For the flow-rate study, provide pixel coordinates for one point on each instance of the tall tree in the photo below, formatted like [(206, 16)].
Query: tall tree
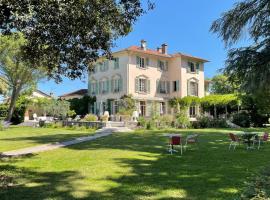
[(248, 66), (221, 85), (67, 36), (18, 73)]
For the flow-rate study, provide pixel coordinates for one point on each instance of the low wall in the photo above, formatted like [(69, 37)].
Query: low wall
[(96, 124)]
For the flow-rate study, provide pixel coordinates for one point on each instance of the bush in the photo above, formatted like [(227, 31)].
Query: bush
[(90, 118), (207, 122), (258, 188), (142, 122), (165, 120), (182, 120), (204, 122), (241, 119), (219, 123)]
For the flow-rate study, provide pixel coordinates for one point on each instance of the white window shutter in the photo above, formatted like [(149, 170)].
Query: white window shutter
[(148, 86), (136, 84), (197, 68), (138, 61)]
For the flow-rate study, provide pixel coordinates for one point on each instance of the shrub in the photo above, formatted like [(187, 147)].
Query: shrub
[(104, 118), (142, 122), (204, 122), (90, 118), (166, 120), (258, 188), (182, 120), (219, 123), (241, 119)]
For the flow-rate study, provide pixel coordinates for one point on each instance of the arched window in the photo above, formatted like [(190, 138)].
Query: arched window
[(104, 85), (192, 87), (142, 84), (93, 87)]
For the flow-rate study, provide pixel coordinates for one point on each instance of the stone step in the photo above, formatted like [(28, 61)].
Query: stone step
[(115, 124)]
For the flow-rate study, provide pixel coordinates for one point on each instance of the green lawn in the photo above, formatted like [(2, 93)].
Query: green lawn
[(20, 137), (135, 166)]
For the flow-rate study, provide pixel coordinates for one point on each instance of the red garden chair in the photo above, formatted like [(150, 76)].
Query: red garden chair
[(235, 140), (175, 141)]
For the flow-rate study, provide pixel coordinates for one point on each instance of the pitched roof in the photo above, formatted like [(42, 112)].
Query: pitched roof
[(42, 93), (77, 92), (156, 53)]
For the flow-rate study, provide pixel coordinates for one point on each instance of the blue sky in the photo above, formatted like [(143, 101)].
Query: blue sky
[(182, 24)]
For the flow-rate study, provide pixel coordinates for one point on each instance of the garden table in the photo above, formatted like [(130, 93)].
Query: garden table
[(247, 137)]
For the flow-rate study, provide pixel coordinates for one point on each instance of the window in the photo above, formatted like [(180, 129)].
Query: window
[(162, 108), (192, 111), (142, 62), (93, 88), (142, 85), (104, 86), (104, 66), (117, 84), (142, 110), (175, 86), (192, 88), (163, 87), (191, 67), (116, 63), (163, 65)]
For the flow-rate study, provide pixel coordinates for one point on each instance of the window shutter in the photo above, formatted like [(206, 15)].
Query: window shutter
[(159, 64), (168, 87), (116, 63), (148, 86), (112, 86), (166, 65), (100, 87), (108, 86), (138, 61), (95, 107), (177, 85), (106, 65), (97, 89), (136, 84), (158, 86), (188, 88), (149, 109), (189, 66), (147, 62), (120, 83), (197, 68)]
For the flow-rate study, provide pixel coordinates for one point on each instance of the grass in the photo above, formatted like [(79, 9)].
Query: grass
[(20, 137), (135, 166)]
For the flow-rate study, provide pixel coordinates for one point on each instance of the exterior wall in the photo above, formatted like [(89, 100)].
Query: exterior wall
[(151, 72), (128, 70), (72, 97)]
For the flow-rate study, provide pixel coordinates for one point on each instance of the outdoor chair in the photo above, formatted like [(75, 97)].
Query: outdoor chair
[(191, 139), (235, 140), (261, 139), (175, 141)]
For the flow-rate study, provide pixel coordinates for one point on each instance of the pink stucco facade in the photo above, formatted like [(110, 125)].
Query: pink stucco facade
[(152, 77)]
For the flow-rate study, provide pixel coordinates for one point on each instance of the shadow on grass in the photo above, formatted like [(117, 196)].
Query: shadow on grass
[(208, 171)]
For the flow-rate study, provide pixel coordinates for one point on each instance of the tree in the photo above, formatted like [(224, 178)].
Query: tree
[(67, 36), (18, 73), (80, 106), (221, 85), (247, 66)]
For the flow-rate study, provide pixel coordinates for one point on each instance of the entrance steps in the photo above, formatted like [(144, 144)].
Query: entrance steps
[(115, 124)]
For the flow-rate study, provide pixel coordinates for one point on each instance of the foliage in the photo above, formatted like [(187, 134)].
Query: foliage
[(258, 188), (90, 118), (68, 48), (182, 120), (241, 119), (80, 106), (166, 121), (187, 101), (142, 121), (126, 105), (221, 85), (247, 66), (104, 118), (208, 122), (71, 113), (51, 107), (18, 73), (3, 111)]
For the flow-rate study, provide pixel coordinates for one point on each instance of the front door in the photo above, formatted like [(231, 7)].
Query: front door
[(142, 108)]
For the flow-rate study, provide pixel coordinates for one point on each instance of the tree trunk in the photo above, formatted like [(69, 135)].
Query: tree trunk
[(215, 111), (13, 99)]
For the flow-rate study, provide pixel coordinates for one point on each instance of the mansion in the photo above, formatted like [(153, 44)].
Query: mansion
[(152, 77)]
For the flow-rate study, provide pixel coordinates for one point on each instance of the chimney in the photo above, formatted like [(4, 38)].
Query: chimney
[(159, 50), (143, 45), (164, 48)]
